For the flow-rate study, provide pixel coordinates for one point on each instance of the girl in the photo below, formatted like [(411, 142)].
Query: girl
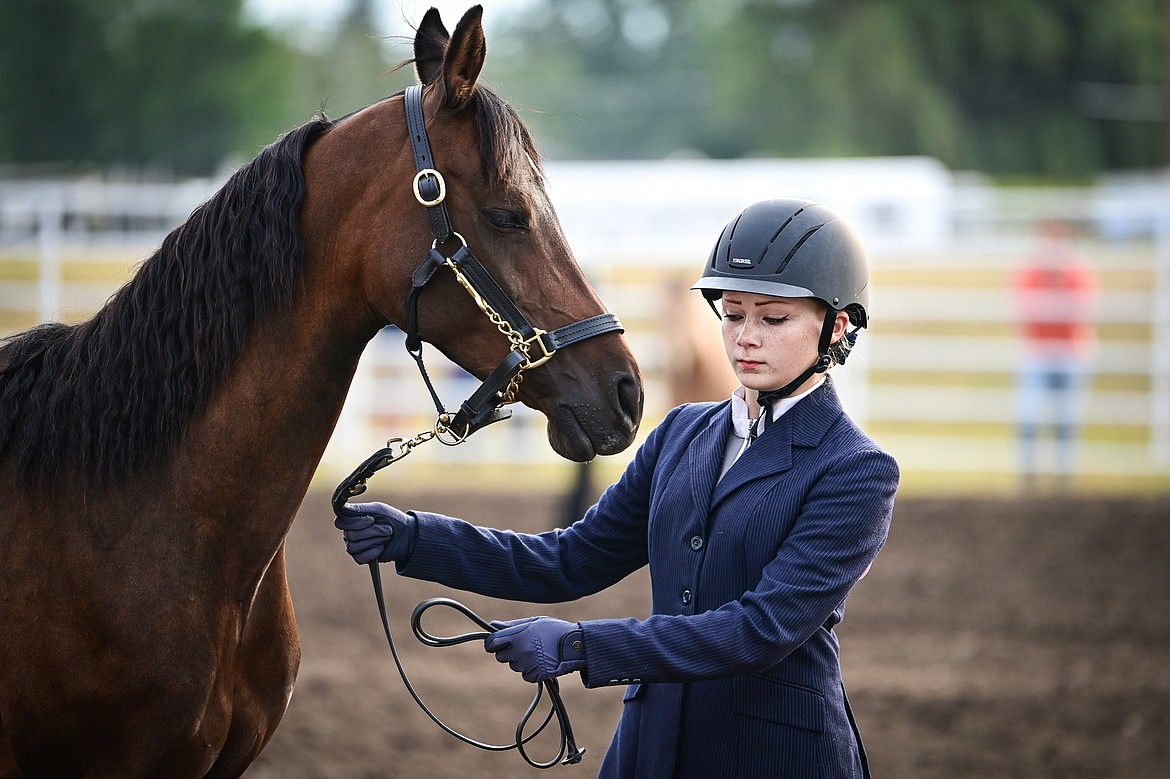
[(756, 515)]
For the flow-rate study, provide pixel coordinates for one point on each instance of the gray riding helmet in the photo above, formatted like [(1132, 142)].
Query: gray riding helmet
[(794, 249)]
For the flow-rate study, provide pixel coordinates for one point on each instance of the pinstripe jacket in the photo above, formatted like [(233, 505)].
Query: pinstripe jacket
[(736, 673)]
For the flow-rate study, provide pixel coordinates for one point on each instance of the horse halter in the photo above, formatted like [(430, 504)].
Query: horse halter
[(530, 347)]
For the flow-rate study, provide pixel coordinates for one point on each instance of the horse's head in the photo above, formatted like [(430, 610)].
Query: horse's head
[(362, 217)]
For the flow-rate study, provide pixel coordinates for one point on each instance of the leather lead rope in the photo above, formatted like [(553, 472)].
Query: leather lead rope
[(568, 752)]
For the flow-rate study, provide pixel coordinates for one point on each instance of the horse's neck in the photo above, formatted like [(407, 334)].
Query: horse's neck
[(254, 451)]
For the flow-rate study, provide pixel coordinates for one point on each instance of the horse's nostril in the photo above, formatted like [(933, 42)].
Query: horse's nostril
[(627, 396)]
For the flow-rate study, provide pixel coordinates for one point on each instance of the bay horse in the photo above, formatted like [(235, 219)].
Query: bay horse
[(152, 458)]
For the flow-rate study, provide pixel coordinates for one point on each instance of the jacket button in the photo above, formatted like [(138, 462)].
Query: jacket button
[(686, 596), (696, 543)]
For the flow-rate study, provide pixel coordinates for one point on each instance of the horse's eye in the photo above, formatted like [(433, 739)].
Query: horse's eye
[(505, 220)]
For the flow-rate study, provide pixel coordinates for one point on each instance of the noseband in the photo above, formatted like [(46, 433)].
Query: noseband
[(529, 347)]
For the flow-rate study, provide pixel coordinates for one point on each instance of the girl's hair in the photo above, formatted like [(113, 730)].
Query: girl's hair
[(839, 351)]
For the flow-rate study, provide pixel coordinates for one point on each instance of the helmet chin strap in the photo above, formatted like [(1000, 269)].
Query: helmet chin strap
[(766, 399)]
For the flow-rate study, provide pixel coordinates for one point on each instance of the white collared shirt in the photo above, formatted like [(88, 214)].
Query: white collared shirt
[(741, 423)]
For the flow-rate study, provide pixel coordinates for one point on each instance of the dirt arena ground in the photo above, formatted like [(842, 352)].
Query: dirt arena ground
[(998, 638)]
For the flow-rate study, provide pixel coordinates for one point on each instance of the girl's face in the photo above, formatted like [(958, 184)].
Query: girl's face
[(770, 341)]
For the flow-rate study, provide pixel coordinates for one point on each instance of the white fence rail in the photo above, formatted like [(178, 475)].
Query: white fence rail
[(933, 381)]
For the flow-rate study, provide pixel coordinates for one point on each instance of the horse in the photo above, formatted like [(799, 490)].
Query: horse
[(152, 458), (696, 369)]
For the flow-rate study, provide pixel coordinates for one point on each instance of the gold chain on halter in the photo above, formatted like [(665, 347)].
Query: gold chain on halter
[(516, 339), (400, 447)]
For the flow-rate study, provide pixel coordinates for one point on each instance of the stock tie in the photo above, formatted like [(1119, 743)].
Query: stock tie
[(765, 401)]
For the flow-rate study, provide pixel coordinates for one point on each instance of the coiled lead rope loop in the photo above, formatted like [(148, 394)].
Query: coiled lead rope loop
[(568, 753)]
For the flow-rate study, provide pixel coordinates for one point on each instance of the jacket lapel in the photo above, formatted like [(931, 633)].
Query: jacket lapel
[(706, 455), (803, 425)]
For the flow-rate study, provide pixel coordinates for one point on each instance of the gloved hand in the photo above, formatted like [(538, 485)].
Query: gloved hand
[(538, 648), (375, 531)]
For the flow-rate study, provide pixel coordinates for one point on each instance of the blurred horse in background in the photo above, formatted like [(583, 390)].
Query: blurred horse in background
[(697, 369)]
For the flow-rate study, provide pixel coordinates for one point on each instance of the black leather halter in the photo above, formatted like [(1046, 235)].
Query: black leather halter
[(530, 346), (485, 405)]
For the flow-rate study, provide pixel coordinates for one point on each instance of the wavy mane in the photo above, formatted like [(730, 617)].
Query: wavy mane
[(107, 398), (504, 141)]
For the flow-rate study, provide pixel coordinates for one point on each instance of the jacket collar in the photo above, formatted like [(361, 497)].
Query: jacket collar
[(804, 425)]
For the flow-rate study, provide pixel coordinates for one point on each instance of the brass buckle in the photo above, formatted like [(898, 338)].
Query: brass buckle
[(442, 187), (545, 357)]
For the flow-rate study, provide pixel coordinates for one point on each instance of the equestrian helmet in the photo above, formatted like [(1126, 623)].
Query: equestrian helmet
[(794, 249)]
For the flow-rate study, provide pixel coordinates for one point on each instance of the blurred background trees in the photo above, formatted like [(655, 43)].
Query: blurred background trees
[(174, 84), (1035, 89)]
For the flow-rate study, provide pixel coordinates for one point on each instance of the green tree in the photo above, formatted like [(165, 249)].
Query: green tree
[(177, 84), (1011, 87), (45, 108), (1050, 88), (350, 71)]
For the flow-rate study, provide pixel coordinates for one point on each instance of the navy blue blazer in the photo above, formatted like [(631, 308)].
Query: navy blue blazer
[(736, 673)]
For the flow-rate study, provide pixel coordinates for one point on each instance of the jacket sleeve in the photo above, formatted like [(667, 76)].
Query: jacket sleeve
[(600, 549), (841, 528)]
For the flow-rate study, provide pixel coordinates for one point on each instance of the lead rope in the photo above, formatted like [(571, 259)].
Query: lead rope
[(568, 753)]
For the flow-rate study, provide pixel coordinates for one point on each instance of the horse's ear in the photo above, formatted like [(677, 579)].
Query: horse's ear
[(464, 59), (430, 44)]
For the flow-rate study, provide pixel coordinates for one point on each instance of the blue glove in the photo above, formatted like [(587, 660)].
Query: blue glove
[(538, 648), (375, 531)]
